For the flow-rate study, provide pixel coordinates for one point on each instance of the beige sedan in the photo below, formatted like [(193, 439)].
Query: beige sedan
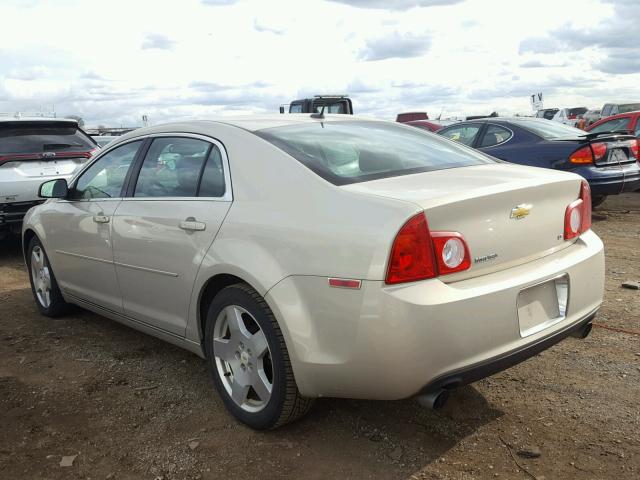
[(311, 256)]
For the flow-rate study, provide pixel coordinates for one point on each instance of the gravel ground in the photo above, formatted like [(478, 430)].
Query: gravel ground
[(129, 406)]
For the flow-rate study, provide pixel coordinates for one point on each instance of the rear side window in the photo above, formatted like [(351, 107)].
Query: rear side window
[(577, 111), (495, 135), (172, 167), (212, 183), (358, 151), (18, 137), (614, 125)]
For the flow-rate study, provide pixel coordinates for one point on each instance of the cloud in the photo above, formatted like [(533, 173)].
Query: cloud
[(610, 36), (28, 73), (622, 62), (219, 3), (395, 46), (265, 29), (395, 4), (538, 45), (539, 64), (157, 41)]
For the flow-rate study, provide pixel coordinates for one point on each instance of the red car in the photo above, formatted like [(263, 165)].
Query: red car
[(628, 122)]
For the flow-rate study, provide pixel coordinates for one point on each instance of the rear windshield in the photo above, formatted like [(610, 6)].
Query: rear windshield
[(548, 130), (33, 138), (629, 107), (352, 152)]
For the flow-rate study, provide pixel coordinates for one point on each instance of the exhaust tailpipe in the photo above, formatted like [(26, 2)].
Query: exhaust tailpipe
[(583, 332), (434, 400)]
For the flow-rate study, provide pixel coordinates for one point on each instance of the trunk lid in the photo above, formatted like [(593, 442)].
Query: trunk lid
[(508, 214)]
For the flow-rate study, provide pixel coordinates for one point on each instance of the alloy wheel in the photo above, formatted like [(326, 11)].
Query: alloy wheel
[(41, 275), (243, 358)]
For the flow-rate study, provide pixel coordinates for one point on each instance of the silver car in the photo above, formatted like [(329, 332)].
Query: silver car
[(311, 256), (33, 150)]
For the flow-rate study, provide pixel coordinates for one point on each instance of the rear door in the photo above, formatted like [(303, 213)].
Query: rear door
[(79, 229), (176, 204)]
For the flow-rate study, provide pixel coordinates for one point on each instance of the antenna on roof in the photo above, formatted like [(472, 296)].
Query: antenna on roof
[(318, 115)]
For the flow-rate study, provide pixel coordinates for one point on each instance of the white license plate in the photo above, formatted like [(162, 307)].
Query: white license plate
[(543, 305)]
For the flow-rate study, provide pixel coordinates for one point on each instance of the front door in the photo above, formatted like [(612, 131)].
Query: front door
[(162, 231), (80, 229)]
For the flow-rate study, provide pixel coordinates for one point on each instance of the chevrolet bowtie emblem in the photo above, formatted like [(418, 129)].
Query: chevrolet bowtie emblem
[(521, 211)]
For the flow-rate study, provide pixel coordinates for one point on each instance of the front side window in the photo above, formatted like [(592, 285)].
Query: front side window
[(174, 167), (464, 133), (105, 177), (295, 108), (615, 125), (495, 135), (357, 151), (606, 111)]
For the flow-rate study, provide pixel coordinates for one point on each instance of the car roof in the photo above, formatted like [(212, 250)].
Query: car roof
[(36, 119), (251, 123)]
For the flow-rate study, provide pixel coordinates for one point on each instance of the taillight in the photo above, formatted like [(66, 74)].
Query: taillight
[(589, 154), (635, 148), (599, 150), (452, 253), (577, 216), (418, 254), (412, 255)]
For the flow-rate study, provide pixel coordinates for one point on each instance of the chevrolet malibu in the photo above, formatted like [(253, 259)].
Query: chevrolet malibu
[(312, 256)]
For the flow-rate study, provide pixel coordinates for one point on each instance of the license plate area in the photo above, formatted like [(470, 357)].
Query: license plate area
[(542, 305)]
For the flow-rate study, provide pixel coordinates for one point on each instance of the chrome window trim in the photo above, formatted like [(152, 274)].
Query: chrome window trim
[(228, 191), (501, 143)]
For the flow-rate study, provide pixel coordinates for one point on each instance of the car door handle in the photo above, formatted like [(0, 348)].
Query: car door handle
[(101, 219), (191, 224)]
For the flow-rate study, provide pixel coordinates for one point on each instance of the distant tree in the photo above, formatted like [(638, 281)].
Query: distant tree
[(78, 118)]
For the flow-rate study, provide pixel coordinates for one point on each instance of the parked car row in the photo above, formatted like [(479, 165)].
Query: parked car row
[(582, 118), (609, 161)]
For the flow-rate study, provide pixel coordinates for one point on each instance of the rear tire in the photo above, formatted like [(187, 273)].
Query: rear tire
[(44, 286), (249, 362), (597, 200)]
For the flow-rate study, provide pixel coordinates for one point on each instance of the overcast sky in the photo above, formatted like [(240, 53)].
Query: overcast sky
[(113, 61)]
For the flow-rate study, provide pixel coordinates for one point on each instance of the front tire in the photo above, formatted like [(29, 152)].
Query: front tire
[(249, 362), (44, 286)]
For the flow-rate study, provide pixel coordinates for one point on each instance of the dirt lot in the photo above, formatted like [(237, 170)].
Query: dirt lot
[(132, 407)]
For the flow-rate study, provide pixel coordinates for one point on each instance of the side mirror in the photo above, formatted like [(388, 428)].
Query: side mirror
[(281, 109), (54, 189)]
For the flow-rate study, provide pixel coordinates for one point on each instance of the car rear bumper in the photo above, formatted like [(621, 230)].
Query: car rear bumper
[(12, 213), (612, 180), (492, 366), (391, 342)]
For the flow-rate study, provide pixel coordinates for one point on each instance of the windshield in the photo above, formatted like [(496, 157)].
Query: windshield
[(32, 138), (351, 152), (577, 111), (629, 107), (548, 130)]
